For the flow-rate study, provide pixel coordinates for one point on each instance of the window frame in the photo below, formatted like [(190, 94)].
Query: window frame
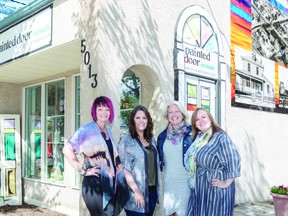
[(43, 163)]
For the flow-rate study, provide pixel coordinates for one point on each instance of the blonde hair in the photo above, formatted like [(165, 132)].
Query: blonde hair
[(182, 110)]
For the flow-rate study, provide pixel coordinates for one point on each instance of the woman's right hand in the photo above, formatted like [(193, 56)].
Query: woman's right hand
[(139, 199), (94, 171)]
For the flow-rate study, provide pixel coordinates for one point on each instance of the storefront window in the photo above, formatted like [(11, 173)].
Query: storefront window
[(54, 139), (33, 132), (44, 132)]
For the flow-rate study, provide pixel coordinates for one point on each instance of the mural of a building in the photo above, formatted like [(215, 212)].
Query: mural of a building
[(252, 87)]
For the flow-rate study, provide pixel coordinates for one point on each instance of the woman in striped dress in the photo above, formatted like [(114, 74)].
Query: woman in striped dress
[(213, 163)]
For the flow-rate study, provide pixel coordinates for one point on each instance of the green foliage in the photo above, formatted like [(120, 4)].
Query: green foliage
[(130, 97), (279, 190), (132, 84), (128, 101), (125, 114)]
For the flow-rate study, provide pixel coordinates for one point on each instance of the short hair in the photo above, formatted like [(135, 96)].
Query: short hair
[(182, 110), (102, 101), (148, 132), (214, 125)]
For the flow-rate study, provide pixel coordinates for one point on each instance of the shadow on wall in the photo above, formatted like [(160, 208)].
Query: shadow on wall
[(112, 35), (42, 193), (134, 44), (138, 47), (251, 186)]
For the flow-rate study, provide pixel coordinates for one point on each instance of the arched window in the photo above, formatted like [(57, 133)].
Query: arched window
[(197, 31)]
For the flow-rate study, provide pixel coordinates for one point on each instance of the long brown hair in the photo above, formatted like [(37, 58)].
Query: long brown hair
[(148, 132), (214, 125)]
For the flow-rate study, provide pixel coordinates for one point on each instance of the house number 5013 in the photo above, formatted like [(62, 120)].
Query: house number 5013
[(86, 58)]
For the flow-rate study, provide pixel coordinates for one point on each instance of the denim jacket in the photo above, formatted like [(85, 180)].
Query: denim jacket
[(187, 140)]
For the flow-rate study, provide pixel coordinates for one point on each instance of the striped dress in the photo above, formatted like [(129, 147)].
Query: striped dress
[(217, 159)]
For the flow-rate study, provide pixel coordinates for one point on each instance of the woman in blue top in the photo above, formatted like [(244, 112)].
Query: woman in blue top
[(102, 165), (213, 162), (172, 144), (137, 151)]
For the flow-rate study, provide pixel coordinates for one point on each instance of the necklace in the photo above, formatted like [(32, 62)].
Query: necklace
[(102, 131)]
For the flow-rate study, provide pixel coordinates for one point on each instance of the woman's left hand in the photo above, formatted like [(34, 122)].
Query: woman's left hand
[(221, 184)]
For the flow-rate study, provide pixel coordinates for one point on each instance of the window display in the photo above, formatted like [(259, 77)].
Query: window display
[(55, 109), (45, 132)]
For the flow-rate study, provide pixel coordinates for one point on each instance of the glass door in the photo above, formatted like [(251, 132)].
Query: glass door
[(200, 93), (10, 160)]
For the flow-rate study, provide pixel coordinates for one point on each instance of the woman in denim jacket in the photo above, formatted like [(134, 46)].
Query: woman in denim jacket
[(172, 144)]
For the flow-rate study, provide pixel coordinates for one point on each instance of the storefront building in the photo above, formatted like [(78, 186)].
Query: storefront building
[(57, 56)]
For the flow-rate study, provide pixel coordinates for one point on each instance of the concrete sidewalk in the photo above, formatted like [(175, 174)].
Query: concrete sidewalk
[(259, 209)]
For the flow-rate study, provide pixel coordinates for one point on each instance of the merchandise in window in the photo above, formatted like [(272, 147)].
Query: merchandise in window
[(55, 109)]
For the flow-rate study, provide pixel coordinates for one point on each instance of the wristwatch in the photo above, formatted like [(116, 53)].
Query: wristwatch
[(83, 171)]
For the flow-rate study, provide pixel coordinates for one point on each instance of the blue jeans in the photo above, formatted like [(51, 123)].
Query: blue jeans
[(153, 197)]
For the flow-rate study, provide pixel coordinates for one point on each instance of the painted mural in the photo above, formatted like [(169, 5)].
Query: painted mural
[(259, 49)]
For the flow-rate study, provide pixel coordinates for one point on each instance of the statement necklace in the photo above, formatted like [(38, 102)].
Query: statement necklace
[(102, 131)]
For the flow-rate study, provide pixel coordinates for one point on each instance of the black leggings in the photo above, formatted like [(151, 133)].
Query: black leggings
[(92, 194)]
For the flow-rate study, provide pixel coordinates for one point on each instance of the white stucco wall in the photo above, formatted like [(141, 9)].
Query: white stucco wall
[(10, 98), (262, 141)]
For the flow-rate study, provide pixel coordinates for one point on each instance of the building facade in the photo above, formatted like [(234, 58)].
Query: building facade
[(57, 56)]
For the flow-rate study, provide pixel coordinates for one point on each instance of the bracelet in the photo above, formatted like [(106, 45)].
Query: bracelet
[(83, 171)]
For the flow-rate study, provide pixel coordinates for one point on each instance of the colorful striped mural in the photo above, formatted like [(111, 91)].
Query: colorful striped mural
[(240, 31)]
